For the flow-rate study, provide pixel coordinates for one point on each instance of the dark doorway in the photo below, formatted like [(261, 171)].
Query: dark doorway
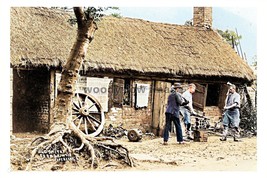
[(30, 105), (213, 94)]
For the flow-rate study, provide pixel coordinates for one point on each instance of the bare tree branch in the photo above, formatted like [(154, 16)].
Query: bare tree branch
[(79, 15)]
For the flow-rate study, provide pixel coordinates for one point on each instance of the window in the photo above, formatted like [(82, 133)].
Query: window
[(121, 92), (118, 85), (127, 92)]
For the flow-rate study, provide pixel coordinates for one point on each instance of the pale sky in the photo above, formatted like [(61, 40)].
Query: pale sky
[(250, 14)]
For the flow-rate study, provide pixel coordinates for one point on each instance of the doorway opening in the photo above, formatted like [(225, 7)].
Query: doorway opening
[(213, 94)]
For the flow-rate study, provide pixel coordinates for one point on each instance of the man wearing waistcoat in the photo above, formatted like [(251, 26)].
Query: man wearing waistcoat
[(175, 100), (231, 114)]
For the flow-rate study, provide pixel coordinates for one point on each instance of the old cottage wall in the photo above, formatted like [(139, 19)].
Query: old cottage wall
[(131, 117), (30, 101), (11, 99), (117, 113)]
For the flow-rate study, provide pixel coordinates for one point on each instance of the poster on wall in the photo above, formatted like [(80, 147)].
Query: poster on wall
[(141, 95), (97, 87)]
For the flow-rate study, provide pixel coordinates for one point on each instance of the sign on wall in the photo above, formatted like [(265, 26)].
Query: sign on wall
[(98, 87), (142, 94)]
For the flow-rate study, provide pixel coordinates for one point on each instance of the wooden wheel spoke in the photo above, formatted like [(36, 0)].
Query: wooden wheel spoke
[(99, 113), (92, 106), (76, 106), (75, 113), (79, 125), (76, 110), (94, 119), (79, 101), (87, 114), (75, 119), (86, 100), (91, 123), (85, 126)]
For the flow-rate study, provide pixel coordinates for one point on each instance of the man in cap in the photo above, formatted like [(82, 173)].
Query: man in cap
[(231, 114), (172, 114)]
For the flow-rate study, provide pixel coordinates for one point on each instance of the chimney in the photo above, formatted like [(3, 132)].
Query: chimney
[(202, 17)]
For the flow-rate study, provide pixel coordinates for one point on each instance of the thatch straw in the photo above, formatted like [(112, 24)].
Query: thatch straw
[(41, 36)]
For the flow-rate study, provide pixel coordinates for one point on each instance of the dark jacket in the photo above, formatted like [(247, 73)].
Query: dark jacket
[(174, 102)]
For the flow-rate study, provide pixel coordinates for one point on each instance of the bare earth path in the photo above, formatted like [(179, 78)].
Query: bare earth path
[(150, 154), (213, 155)]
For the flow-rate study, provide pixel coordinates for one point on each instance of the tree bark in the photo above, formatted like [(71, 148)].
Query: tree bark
[(70, 73)]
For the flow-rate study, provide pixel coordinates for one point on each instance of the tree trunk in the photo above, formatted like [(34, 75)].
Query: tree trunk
[(63, 132), (66, 89)]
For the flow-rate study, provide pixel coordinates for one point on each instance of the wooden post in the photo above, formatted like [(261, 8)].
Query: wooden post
[(156, 110), (52, 96)]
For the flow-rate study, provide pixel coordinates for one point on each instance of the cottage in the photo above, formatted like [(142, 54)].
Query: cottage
[(129, 69)]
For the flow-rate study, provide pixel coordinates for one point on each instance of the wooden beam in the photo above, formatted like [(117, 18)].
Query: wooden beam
[(52, 84)]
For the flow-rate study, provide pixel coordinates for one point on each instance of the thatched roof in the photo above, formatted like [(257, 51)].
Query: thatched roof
[(41, 36)]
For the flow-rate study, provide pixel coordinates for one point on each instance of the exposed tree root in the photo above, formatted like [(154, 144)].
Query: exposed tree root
[(65, 143)]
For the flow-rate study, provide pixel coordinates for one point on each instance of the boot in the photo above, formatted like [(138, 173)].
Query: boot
[(189, 135), (237, 140), (223, 139), (188, 132), (236, 135), (224, 134)]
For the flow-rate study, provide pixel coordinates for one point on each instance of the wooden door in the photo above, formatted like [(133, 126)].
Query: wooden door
[(161, 93), (199, 97)]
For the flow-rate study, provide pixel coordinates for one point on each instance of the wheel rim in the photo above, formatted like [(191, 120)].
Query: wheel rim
[(87, 114)]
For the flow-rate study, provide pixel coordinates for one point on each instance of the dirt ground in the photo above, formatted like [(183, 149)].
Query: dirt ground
[(150, 154)]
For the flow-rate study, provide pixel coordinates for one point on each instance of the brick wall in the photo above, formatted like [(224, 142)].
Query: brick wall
[(202, 15), (131, 117), (30, 103), (213, 112)]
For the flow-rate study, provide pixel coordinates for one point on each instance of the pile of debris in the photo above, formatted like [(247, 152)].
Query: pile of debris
[(248, 114), (114, 132), (200, 128), (134, 135), (201, 123), (248, 121)]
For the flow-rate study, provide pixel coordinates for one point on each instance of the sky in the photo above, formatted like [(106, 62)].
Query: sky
[(243, 20)]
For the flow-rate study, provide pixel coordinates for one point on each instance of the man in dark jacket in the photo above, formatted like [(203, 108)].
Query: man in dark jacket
[(175, 100)]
